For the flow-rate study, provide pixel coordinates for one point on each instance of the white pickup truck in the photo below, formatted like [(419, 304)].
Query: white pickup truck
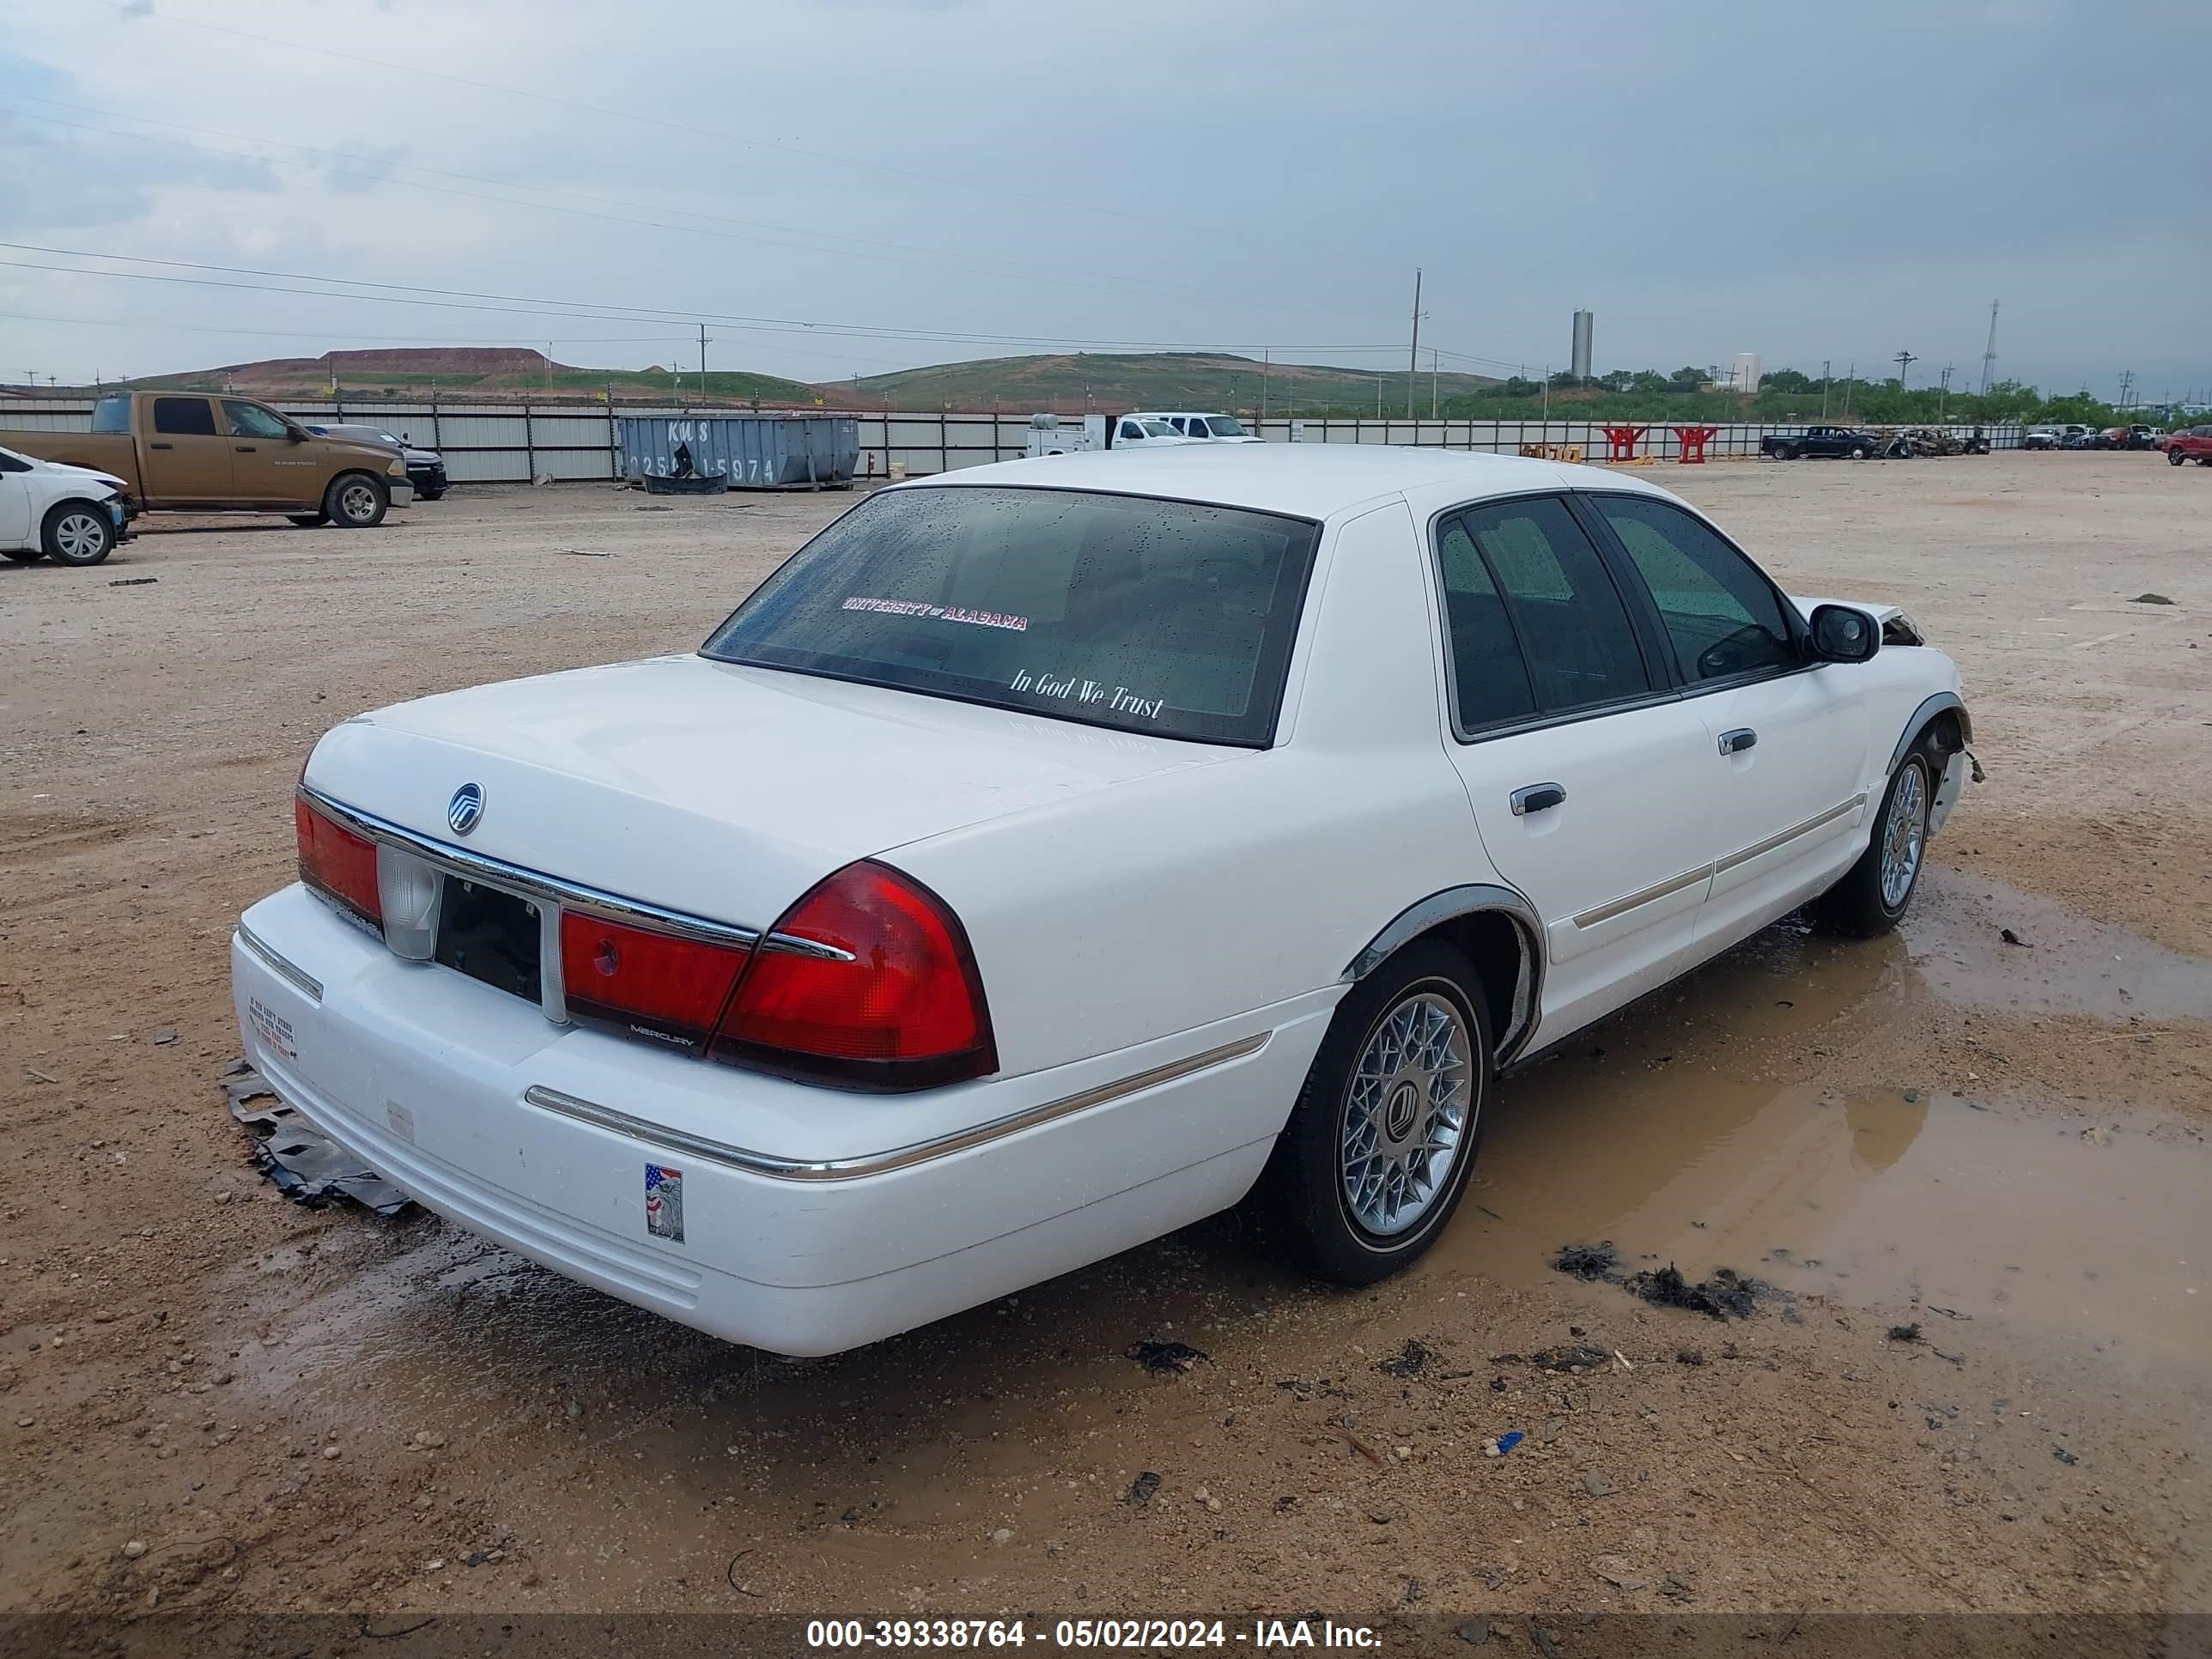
[(1204, 428), (1048, 436)]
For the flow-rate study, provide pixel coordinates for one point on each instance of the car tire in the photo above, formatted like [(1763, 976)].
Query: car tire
[(2175, 458), (77, 533), (1339, 1192), (1876, 891), (429, 494), (1790, 452), (309, 520), (356, 500), (1859, 452)]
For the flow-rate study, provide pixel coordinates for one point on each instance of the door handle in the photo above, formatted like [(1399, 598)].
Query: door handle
[(161, 446), (243, 449), (1736, 742), (1537, 798)]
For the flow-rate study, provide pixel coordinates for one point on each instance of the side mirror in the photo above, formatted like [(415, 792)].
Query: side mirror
[(295, 435), (1841, 634)]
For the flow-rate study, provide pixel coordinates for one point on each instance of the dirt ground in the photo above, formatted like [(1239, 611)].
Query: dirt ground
[(1974, 1170)]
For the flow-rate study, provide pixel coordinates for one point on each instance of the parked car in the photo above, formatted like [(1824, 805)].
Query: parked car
[(2081, 437), (50, 510), (1206, 428), (2190, 444), (2043, 437), (2140, 435), (1047, 436), (192, 453), (1051, 854), (426, 468), (1818, 441)]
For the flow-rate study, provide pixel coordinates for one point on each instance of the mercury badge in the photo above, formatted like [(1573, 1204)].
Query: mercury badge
[(465, 810)]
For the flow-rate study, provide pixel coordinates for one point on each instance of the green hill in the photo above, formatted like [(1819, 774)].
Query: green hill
[(1076, 382)]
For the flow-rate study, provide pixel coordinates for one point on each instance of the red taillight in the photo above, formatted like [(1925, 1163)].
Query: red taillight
[(655, 984), (906, 1012), (336, 863)]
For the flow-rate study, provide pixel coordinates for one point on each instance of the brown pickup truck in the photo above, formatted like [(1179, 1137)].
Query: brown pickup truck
[(181, 451)]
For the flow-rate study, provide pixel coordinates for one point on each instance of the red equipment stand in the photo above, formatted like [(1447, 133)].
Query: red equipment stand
[(1693, 440), (1620, 441)]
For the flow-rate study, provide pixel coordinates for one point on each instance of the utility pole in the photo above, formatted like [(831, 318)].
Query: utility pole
[(1903, 360), (1548, 402), (1413, 356), (1266, 356), (1990, 351), (702, 362), (1943, 397), (2127, 380), (1435, 356), (1378, 397), (1824, 388), (1849, 376)]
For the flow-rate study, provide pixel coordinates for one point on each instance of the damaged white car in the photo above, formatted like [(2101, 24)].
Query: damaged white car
[(1050, 854)]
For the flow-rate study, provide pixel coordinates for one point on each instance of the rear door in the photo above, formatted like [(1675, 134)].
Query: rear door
[(1575, 752), (186, 450), (1786, 736)]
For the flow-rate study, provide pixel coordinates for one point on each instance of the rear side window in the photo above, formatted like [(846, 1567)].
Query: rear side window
[(1723, 615), (1573, 628), (111, 415), (184, 417), (1490, 682), (1150, 616)]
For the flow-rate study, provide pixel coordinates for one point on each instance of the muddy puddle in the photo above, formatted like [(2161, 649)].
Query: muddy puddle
[(2093, 1231)]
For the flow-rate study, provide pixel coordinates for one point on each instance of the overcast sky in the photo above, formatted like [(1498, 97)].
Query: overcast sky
[(1835, 181)]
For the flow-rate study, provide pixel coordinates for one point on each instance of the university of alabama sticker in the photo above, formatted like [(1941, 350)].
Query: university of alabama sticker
[(664, 1203)]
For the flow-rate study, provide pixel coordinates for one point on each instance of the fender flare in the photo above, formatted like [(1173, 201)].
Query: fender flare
[(1450, 904), (1929, 709)]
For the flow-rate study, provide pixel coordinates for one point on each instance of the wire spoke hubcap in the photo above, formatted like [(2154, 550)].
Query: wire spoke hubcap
[(1406, 1113), (1903, 836)]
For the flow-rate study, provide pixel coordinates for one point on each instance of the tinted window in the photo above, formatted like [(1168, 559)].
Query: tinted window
[(1153, 615), (1573, 630), (1131, 430), (1228, 426), (1723, 615), (184, 417), (1197, 428), (252, 421), (1490, 682), (111, 415)]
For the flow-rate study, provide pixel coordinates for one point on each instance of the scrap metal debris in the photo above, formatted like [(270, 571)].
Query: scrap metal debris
[(306, 1165), (1588, 1261), (1570, 1360), (1409, 1361), (1170, 1358), (1726, 1294)]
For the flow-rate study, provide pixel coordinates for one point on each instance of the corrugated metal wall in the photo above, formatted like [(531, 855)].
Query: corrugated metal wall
[(510, 443)]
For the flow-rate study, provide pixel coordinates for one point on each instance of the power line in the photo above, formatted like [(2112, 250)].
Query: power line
[(415, 294), (992, 187), (900, 252)]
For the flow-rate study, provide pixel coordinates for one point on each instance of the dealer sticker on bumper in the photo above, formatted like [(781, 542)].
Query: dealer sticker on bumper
[(664, 1202)]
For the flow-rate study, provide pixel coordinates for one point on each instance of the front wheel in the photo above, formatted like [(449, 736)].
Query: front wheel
[(1379, 1147), (1876, 891), (356, 500), (1861, 453), (2175, 458), (78, 533)]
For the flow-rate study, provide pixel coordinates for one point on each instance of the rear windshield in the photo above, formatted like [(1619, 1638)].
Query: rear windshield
[(1120, 611), (111, 415)]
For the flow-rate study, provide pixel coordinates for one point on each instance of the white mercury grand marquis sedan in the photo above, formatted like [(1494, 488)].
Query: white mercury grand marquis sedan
[(1052, 853)]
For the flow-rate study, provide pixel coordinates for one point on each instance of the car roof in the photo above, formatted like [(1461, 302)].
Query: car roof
[(1307, 480)]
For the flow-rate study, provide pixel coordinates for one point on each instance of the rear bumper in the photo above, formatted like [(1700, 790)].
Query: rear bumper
[(541, 1136)]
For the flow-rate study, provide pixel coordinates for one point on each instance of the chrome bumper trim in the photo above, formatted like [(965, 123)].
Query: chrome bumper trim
[(898, 1157), (569, 895), (303, 981)]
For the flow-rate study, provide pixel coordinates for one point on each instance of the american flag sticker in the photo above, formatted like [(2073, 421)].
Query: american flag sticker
[(664, 1203)]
